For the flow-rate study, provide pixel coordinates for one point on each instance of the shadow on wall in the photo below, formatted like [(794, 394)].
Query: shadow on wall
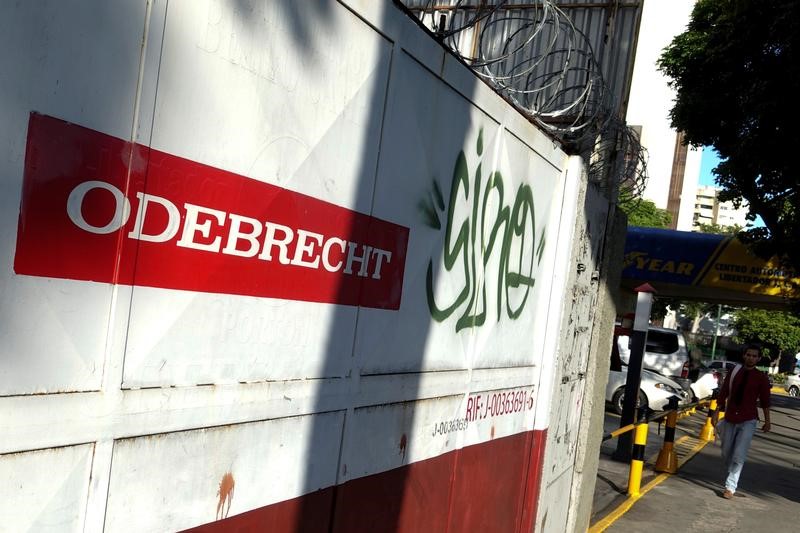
[(374, 357), (375, 502), (386, 477), (428, 159)]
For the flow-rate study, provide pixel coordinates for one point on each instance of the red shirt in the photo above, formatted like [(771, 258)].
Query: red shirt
[(756, 389)]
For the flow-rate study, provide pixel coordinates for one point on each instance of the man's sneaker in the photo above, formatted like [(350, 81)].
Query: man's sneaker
[(727, 494)]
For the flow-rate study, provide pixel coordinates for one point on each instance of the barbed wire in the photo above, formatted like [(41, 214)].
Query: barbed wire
[(619, 160), (535, 56)]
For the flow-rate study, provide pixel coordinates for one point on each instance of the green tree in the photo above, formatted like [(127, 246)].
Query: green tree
[(736, 72), (719, 230), (644, 213), (777, 331), (693, 309)]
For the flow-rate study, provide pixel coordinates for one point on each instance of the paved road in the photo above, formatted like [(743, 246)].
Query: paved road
[(691, 501)]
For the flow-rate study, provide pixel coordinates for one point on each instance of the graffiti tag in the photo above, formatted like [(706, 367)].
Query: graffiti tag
[(489, 226)]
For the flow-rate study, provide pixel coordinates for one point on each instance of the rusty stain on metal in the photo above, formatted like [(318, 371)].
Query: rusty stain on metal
[(491, 433), (225, 493), (403, 443)]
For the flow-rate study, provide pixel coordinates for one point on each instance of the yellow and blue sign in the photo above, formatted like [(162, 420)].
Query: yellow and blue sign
[(704, 260)]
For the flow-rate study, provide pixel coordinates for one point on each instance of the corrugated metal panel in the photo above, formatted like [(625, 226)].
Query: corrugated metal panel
[(610, 29), (618, 67)]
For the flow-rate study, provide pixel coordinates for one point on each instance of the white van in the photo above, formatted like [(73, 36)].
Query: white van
[(665, 353)]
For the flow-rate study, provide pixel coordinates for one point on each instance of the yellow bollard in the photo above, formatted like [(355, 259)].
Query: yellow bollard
[(707, 434), (637, 460), (667, 460)]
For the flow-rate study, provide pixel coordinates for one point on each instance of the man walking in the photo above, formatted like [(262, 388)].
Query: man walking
[(744, 387)]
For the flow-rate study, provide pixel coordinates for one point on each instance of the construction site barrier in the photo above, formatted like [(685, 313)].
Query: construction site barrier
[(667, 460), (637, 459)]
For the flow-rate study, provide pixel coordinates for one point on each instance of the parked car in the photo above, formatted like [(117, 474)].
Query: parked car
[(665, 353), (720, 365), (710, 376), (792, 386), (708, 380), (655, 390)]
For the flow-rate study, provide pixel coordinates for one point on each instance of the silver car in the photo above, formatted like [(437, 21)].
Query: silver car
[(654, 390), (665, 352), (792, 386)]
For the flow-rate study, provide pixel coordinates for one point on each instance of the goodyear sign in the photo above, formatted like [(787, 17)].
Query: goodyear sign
[(704, 261)]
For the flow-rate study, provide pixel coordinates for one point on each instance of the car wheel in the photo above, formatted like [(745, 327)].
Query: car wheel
[(619, 399), (794, 391)]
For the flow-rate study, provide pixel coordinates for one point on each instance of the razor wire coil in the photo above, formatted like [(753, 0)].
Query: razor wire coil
[(533, 54)]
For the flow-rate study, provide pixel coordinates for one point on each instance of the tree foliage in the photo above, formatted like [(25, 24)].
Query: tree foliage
[(719, 230), (663, 304), (644, 213), (776, 331), (688, 308), (736, 72)]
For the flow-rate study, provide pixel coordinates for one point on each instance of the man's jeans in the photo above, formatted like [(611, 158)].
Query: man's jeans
[(735, 443)]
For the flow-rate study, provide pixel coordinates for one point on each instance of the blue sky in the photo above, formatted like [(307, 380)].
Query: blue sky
[(709, 160)]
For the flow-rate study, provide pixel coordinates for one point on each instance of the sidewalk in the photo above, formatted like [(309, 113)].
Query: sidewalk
[(769, 489)]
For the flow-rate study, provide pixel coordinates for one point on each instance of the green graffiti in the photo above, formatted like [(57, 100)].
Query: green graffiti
[(477, 237)]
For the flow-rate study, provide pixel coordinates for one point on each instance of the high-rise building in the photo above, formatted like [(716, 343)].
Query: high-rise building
[(709, 210), (704, 203), (673, 167)]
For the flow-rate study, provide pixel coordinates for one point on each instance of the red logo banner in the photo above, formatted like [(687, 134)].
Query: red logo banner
[(98, 208)]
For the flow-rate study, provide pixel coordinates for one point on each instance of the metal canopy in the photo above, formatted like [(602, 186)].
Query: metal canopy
[(706, 267)]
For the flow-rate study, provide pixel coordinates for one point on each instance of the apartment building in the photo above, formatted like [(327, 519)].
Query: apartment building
[(709, 210)]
